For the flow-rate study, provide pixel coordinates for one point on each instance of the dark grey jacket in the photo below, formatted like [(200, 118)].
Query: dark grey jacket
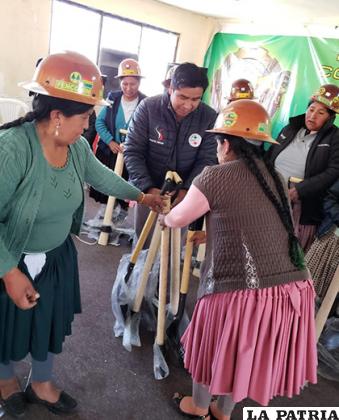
[(156, 143), (322, 166)]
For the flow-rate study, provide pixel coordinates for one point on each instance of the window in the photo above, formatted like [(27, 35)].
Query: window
[(107, 40), (75, 29)]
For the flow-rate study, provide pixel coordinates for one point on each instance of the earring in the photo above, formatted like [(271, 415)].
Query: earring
[(56, 132)]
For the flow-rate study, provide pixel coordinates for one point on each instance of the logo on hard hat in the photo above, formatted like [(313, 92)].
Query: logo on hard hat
[(230, 119), (263, 128), (75, 77), (76, 84)]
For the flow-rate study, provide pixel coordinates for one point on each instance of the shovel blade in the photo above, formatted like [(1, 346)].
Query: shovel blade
[(160, 367), (131, 332), (174, 333)]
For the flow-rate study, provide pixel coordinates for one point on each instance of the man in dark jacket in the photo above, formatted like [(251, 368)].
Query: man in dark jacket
[(168, 132)]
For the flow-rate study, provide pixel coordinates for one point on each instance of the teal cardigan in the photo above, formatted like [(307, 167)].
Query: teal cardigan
[(22, 170)]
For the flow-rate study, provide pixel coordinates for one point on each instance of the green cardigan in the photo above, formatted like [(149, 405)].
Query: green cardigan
[(22, 170)]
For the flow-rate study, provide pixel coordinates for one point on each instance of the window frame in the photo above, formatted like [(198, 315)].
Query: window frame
[(111, 15)]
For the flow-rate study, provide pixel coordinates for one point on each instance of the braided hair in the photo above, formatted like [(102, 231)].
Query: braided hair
[(250, 153), (43, 105)]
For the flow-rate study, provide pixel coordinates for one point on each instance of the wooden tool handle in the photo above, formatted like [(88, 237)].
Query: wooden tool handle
[(143, 236), (186, 270), (176, 178), (164, 251), (151, 254), (104, 235), (295, 180), (175, 269)]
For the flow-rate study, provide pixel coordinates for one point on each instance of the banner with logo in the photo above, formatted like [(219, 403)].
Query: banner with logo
[(284, 70)]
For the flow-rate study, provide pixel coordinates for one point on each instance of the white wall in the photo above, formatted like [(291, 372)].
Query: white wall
[(25, 30), (25, 26)]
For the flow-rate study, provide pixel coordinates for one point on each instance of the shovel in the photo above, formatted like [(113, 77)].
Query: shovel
[(131, 331), (180, 320), (120, 294), (106, 227), (160, 367)]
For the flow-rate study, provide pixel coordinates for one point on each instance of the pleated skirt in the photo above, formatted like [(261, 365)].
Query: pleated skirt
[(254, 343), (43, 328), (323, 259), (305, 233)]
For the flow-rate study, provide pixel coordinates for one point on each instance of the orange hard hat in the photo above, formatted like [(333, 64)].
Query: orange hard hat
[(129, 67), (68, 75), (241, 89), (328, 95), (245, 118)]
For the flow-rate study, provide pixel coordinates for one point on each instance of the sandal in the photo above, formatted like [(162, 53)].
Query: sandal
[(177, 398)]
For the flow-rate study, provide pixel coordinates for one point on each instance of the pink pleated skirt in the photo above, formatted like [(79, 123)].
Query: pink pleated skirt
[(254, 343)]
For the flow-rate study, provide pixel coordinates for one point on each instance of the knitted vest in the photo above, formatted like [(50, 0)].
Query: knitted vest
[(247, 244)]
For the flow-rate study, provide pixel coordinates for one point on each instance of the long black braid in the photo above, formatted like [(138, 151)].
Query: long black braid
[(42, 106), (249, 154)]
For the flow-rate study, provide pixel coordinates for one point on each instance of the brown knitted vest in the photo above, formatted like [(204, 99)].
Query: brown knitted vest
[(247, 244)]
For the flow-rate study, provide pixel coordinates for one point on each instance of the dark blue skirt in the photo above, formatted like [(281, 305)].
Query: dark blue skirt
[(43, 328)]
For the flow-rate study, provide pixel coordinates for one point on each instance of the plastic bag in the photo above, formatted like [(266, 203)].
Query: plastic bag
[(328, 350)]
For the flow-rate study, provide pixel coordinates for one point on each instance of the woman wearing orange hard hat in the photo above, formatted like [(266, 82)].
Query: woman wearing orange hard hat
[(115, 118), (308, 157), (252, 331), (44, 163)]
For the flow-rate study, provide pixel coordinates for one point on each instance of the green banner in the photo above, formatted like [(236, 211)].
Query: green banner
[(284, 70)]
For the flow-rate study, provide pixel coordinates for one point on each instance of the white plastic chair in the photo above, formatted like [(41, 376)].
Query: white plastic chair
[(11, 109)]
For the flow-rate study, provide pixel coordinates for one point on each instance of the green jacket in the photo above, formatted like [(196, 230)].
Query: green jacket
[(22, 170)]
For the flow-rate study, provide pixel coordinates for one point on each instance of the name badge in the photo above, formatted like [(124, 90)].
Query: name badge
[(194, 140)]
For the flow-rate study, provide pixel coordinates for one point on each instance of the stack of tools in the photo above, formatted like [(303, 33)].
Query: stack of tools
[(139, 273)]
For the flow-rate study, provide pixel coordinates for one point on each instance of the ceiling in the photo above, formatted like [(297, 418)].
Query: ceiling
[(296, 11)]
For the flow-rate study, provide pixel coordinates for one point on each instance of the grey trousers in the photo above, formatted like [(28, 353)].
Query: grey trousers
[(202, 398), (41, 371)]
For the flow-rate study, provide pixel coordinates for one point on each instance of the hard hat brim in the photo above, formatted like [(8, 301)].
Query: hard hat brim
[(264, 138), (37, 88)]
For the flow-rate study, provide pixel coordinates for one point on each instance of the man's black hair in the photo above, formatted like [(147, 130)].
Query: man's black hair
[(189, 75)]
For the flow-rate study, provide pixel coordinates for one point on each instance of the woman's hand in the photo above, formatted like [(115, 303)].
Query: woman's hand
[(155, 202), (161, 220), (20, 289), (293, 195), (198, 237), (115, 147)]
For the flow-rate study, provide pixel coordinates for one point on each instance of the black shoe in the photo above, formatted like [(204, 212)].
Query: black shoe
[(65, 404), (177, 400), (15, 405)]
